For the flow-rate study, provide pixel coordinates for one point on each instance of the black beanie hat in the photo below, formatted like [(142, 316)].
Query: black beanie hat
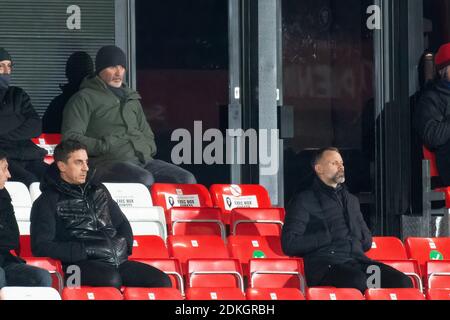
[(109, 56), (4, 55)]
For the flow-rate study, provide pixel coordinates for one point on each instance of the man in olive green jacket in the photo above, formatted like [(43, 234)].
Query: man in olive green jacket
[(107, 117)]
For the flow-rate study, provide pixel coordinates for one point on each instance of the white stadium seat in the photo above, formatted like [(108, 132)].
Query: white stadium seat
[(35, 191), (29, 293), (21, 202), (136, 203)]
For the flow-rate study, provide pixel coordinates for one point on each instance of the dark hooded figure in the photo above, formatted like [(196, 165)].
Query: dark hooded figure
[(78, 66)]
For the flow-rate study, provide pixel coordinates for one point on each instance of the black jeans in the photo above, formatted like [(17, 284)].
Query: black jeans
[(129, 274), (23, 275), (355, 275), (27, 172), (153, 171)]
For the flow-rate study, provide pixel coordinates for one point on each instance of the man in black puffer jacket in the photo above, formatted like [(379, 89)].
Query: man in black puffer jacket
[(19, 122), (79, 223), (325, 227)]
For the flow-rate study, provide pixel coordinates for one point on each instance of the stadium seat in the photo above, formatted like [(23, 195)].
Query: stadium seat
[(168, 195), (257, 221), (438, 274), (333, 294), (48, 141), (230, 196), (387, 248), (277, 273), (427, 249), (394, 294), (410, 268), (151, 294), (149, 247), (438, 294), (197, 221), (25, 246), (169, 266), (35, 191), (431, 157), (29, 293), (220, 273), (214, 294), (245, 248), (21, 202), (53, 266), (135, 202), (91, 293), (274, 294), (196, 247)]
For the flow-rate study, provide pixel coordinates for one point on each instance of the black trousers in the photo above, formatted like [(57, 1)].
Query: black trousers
[(129, 274), (27, 172), (355, 275)]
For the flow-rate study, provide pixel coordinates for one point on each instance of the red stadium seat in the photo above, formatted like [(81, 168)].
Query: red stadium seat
[(53, 266), (91, 293), (438, 294), (277, 273), (220, 273), (196, 247), (245, 248), (431, 157), (230, 196), (257, 221), (387, 248), (197, 221), (214, 294), (48, 141), (438, 274), (394, 294), (427, 249), (333, 294), (410, 268), (171, 267), (25, 246), (152, 294), (274, 294), (149, 247)]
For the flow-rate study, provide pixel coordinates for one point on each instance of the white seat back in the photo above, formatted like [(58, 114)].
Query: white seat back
[(19, 193), (29, 293), (35, 191), (130, 195)]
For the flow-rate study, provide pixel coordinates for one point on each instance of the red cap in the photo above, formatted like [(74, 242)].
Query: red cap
[(442, 58)]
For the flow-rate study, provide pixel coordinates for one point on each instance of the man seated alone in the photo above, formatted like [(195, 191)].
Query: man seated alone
[(13, 270), (78, 222), (325, 227)]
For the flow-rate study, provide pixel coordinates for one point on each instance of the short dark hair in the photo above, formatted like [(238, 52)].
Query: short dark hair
[(3, 155), (65, 148), (319, 154)]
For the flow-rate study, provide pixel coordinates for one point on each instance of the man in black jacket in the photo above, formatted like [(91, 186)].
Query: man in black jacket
[(19, 122), (325, 227), (432, 119), (13, 270), (78, 222)]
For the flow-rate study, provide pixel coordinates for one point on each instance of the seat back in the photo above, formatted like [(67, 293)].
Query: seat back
[(277, 273), (438, 274), (438, 294), (29, 293), (197, 221), (245, 248), (48, 141), (220, 273), (387, 248), (257, 221), (91, 293), (152, 294), (230, 196), (214, 294), (431, 156), (149, 247), (427, 249), (410, 268), (135, 202), (394, 294), (274, 294), (333, 294), (35, 191), (168, 195), (21, 201)]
